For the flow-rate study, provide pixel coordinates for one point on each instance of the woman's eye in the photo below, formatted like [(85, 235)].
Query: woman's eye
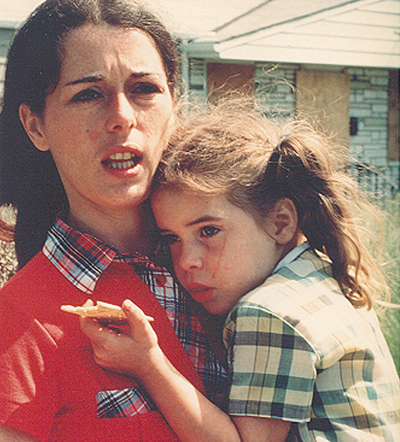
[(145, 89), (209, 231), (86, 95)]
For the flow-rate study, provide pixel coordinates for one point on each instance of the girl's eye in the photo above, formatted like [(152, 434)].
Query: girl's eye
[(145, 89), (209, 231), (86, 95), (169, 239)]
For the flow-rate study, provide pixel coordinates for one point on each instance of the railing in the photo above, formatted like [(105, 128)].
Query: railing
[(373, 180)]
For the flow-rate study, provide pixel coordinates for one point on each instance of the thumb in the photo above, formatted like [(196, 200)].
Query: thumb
[(138, 321)]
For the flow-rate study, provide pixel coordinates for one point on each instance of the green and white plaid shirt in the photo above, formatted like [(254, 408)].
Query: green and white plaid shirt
[(299, 351)]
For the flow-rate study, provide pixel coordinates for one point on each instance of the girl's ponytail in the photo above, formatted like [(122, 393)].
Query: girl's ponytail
[(237, 142), (300, 169)]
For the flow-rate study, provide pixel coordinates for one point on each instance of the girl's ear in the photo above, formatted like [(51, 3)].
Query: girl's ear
[(33, 126), (282, 221)]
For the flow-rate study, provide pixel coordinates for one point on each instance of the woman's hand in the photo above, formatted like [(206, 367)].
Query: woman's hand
[(130, 351)]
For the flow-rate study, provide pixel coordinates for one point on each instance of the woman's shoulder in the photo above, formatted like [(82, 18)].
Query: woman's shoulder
[(32, 289), (35, 271)]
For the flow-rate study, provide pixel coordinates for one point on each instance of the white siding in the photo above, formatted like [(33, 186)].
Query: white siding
[(198, 80), (275, 95)]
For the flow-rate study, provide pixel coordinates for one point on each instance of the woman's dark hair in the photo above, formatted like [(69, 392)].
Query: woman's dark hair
[(28, 178)]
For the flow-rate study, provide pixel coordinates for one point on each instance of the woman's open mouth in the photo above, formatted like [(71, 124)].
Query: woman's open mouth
[(122, 160)]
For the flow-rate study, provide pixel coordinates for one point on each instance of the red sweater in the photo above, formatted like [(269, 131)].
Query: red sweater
[(48, 378)]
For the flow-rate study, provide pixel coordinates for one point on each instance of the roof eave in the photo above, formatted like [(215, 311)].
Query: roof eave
[(306, 56), (213, 50)]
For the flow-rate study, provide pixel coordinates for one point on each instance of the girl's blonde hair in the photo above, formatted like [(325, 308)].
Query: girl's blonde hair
[(231, 150)]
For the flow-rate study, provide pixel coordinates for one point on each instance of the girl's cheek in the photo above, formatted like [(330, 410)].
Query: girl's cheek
[(175, 261), (216, 259)]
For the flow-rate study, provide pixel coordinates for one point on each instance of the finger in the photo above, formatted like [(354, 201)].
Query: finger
[(95, 331), (88, 303)]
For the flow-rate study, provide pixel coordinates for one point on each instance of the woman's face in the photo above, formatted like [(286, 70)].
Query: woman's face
[(108, 119)]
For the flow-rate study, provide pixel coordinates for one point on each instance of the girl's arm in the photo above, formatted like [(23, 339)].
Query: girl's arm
[(190, 414), (8, 434), (261, 429), (136, 353)]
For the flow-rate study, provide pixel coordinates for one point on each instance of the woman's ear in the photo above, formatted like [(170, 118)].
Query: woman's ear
[(282, 221), (33, 126)]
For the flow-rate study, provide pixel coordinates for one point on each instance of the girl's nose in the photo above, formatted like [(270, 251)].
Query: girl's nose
[(191, 257), (121, 114)]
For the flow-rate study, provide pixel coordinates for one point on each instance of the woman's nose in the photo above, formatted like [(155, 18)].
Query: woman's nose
[(121, 114)]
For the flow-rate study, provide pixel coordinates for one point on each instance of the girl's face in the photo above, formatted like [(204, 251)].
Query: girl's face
[(219, 251), (108, 119)]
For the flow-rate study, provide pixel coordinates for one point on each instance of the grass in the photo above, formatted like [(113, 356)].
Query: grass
[(390, 318), (8, 261)]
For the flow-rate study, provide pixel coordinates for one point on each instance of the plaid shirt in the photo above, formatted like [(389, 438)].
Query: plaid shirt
[(299, 351), (82, 259)]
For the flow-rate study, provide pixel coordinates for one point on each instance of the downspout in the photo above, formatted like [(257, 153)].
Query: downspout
[(183, 43)]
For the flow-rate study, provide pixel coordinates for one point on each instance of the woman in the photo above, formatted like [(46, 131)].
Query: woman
[(89, 101)]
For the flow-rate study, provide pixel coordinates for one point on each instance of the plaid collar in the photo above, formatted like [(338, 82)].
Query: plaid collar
[(81, 258)]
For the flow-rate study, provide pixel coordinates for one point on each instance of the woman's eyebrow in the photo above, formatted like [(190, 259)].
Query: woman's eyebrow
[(97, 78), (88, 79)]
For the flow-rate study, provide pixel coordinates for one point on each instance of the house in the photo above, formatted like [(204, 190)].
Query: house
[(335, 62)]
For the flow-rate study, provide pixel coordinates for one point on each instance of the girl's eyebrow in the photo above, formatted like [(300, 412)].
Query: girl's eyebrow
[(203, 219)]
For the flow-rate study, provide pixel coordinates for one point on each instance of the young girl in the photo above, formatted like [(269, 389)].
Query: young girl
[(259, 227)]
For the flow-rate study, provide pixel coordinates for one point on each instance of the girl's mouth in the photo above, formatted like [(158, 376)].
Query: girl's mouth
[(200, 293), (122, 160)]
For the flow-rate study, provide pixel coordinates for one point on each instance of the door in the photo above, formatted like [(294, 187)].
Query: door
[(323, 99), (225, 77)]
